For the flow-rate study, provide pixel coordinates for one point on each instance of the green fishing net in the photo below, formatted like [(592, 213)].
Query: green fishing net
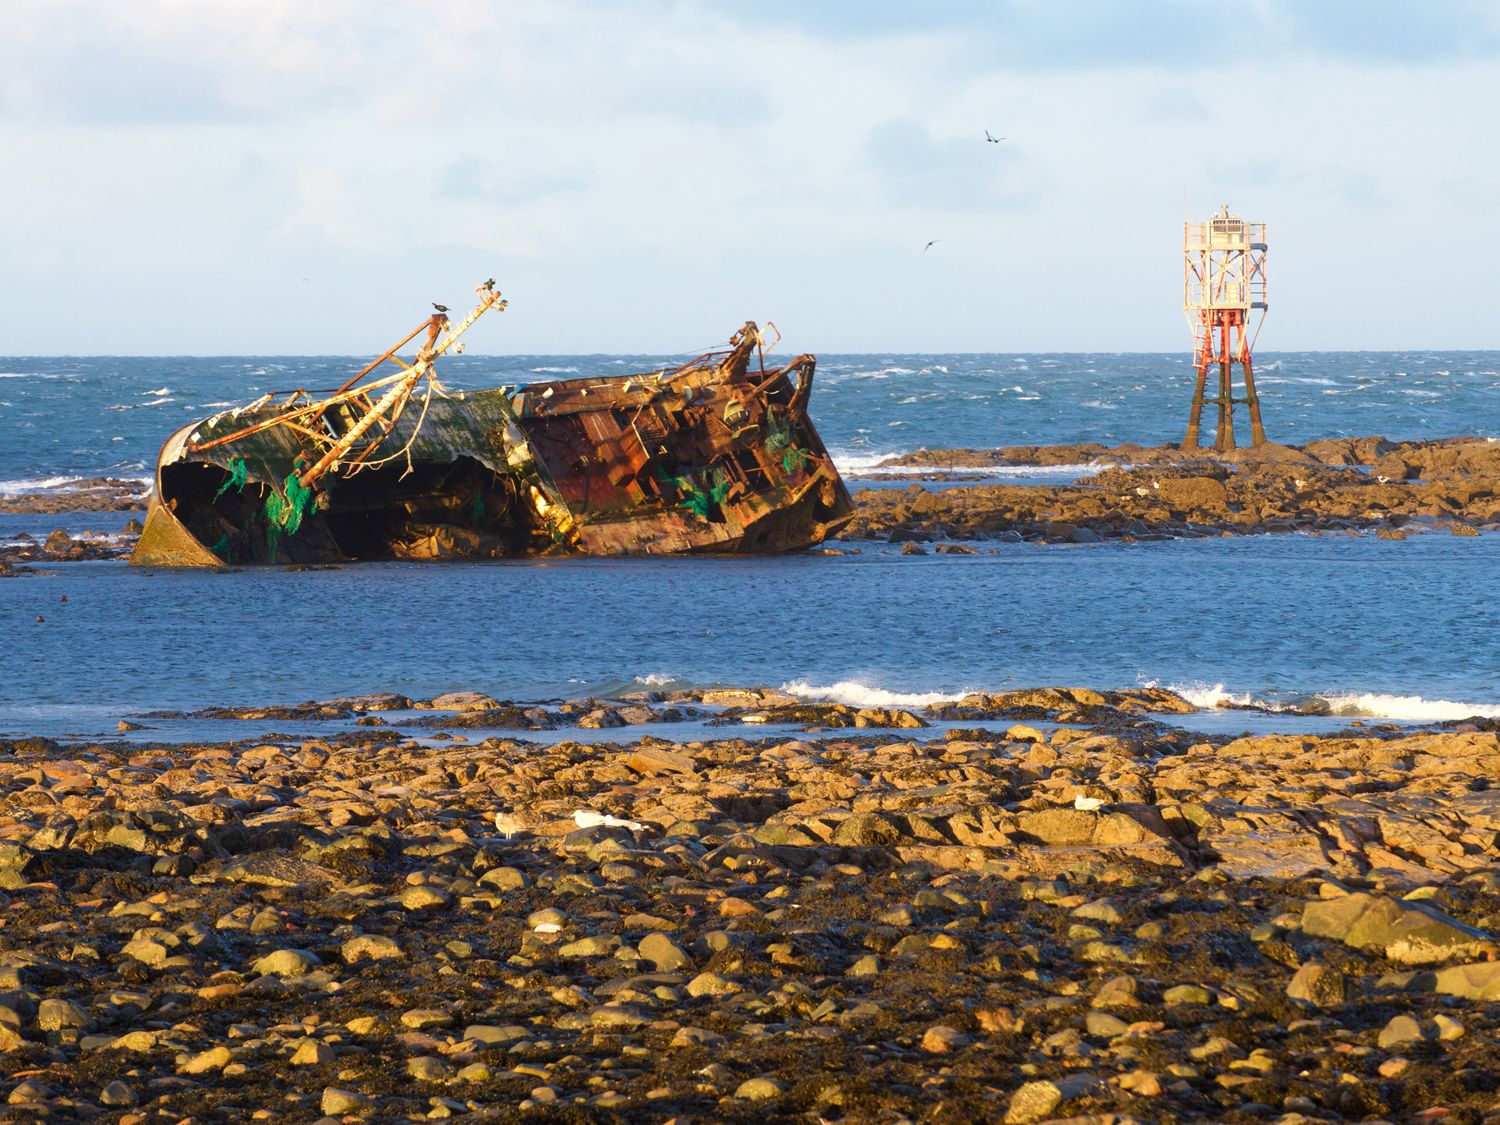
[(779, 433), (285, 511), (703, 502), (238, 475)]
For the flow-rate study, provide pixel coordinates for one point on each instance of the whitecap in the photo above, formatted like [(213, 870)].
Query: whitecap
[(1343, 705), (156, 393), (1378, 705), (855, 694), (556, 370), (848, 461), (1208, 696), (36, 484), (656, 679)]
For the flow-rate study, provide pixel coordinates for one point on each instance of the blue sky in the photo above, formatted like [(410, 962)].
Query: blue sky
[(281, 177)]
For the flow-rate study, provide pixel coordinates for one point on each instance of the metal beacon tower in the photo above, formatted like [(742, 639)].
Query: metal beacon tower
[(1223, 279)]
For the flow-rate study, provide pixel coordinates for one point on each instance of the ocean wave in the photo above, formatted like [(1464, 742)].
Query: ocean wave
[(157, 392), (878, 373), (855, 694), (1207, 696), (556, 370), (1378, 705), (656, 679), (1343, 705), (36, 484), (850, 462)]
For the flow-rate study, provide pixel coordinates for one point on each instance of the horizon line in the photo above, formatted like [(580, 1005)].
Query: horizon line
[(834, 352)]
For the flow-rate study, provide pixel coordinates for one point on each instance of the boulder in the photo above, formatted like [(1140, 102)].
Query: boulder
[(1410, 932)]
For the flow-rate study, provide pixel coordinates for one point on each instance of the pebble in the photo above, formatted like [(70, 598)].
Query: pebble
[(117, 1094), (286, 963), (338, 1103), (214, 1058), (759, 1089), (941, 1040), (312, 1053)]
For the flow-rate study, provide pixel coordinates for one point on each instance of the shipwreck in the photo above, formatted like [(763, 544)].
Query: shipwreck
[(715, 455)]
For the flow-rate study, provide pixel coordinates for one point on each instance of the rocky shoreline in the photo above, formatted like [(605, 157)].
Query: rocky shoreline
[(1065, 909), (1354, 485), (1346, 485), (94, 494)]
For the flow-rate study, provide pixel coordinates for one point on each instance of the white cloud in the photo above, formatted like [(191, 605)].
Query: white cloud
[(647, 176)]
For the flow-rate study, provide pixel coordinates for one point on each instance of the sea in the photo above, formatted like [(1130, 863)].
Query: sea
[(1350, 627)]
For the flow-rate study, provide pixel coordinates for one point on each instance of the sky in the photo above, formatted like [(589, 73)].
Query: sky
[(285, 177)]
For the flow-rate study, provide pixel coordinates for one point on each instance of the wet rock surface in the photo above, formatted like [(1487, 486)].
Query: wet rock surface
[(59, 546), (1351, 484), (93, 494), (1109, 920)]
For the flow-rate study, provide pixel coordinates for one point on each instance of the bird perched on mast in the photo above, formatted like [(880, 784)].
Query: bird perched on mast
[(440, 308)]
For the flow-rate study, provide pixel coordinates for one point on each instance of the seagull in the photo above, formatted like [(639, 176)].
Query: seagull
[(509, 824), (440, 308), (1087, 804), (992, 140), (588, 818), (931, 244)]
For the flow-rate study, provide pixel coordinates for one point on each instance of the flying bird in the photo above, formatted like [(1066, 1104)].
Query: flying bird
[(931, 244), (440, 308), (992, 140)]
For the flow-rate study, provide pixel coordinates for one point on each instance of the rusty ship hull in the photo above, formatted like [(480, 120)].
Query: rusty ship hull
[(716, 456)]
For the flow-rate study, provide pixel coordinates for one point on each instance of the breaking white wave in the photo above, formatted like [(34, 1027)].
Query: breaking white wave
[(656, 679), (1343, 705), (851, 462), (159, 391), (869, 465), (1377, 705), (557, 370), (1206, 696), (855, 694), (36, 484)]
